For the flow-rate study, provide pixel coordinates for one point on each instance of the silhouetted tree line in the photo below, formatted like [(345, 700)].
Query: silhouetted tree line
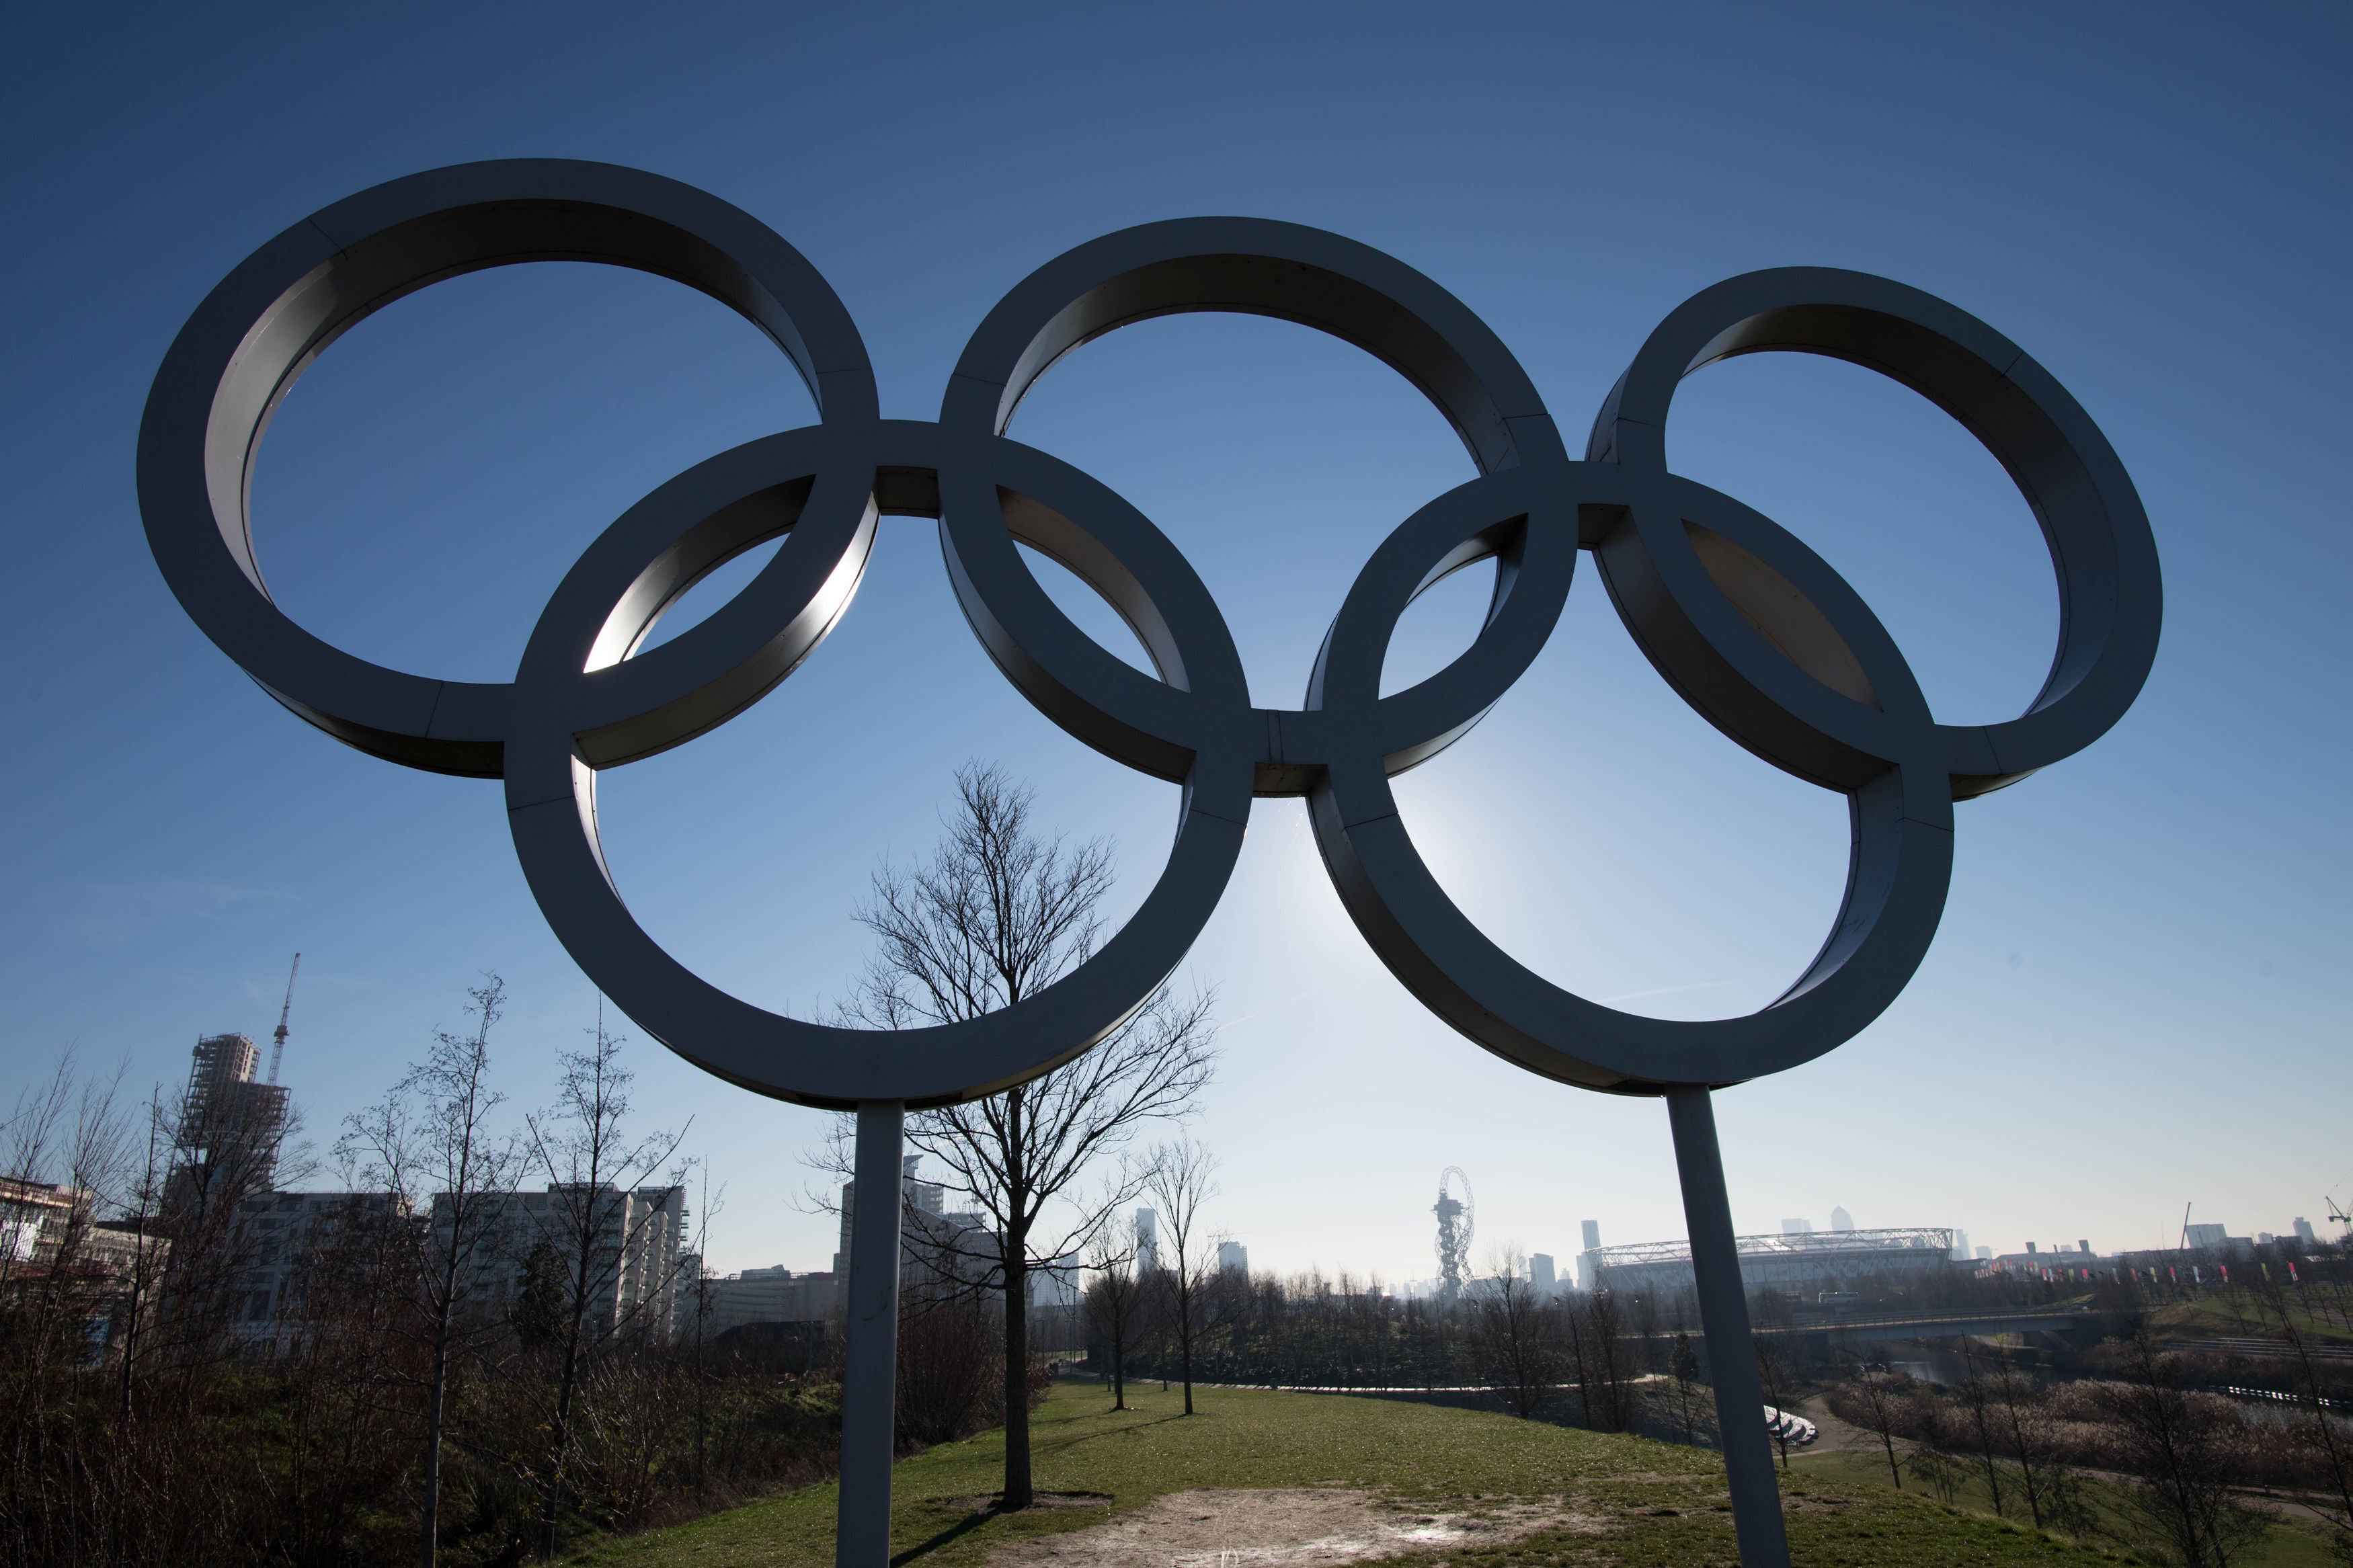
[(439, 1384), (2191, 1434), (1590, 1359)]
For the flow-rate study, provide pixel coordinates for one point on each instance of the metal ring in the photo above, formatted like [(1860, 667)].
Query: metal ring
[(2110, 600), (1899, 868), (254, 335), (609, 599), (1237, 265), (1755, 631)]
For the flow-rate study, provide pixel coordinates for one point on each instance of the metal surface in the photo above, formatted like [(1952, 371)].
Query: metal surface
[(1751, 627), (870, 1373), (285, 1011), (1933, 1239), (1724, 1318)]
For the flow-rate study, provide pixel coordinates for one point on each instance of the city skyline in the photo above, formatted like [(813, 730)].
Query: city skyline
[(732, 1261), (2140, 974)]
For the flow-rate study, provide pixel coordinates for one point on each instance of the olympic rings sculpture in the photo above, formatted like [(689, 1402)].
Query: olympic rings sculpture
[(1753, 630)]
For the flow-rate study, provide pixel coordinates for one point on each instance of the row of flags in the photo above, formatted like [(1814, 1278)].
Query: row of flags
[(2197, 1275)]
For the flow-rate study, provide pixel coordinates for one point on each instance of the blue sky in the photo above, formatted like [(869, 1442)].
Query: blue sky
[(2137, 998)]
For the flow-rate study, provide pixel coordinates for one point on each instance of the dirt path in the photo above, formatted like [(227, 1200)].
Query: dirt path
[(1226, 1528), (1837, 1436)]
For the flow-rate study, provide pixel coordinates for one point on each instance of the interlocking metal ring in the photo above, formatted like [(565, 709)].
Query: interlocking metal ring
[(1756, 632)]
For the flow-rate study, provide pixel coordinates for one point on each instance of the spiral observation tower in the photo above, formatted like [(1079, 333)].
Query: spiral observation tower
[(1455, 1212)]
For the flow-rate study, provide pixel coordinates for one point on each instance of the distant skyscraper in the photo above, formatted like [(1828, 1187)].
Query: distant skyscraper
[(921, 1198), (1797, 1227), (2207, 1235), (1593, 1236), (633, 1242), (1233, 1258), (1961, 1245), (1147, 1239), (230, 1125), (2303, 1232), (1540, 1274), (1840, 1218), (1984, 1253)]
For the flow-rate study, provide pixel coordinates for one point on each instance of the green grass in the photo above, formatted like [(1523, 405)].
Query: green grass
[(2285, 1547), (1664, 1507), (2216, 1319)]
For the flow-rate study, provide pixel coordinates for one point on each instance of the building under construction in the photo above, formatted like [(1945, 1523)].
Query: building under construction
[(231, 1124), (1818, 1260)]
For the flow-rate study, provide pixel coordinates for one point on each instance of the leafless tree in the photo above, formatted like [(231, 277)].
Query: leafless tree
[(1682, 1366), (1977, 1402), (1878, 1409), (1937, 1470), (68, 1128), (139, 1286), (1182, 1178), (2053, 1496), (431, 1139), (342, 1353), (1113, 1301), (697, 1307), (1610, 1393), (1774, 1373), (997, 913), (1574, 1319), (2177, 1447), (1511, 1335), (588, 1229), (65, 1152), (950, 1365), (2332, 1455)]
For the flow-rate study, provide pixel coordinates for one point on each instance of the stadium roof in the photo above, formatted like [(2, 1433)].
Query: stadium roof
[(1812, 1244)]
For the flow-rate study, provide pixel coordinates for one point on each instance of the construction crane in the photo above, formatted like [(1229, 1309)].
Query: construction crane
[(277, 1050)]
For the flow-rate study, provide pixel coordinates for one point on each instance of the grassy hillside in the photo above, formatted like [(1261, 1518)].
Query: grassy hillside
[(2285, 1547), (1593, 1500), (2224, 1318)]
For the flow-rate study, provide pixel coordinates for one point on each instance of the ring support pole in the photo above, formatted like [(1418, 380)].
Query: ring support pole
[(1723, 1321), (871, 1362)]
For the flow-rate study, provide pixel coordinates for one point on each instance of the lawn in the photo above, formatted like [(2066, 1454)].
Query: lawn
[(1634, 1502), (2222, 1318), (2285, 1547)]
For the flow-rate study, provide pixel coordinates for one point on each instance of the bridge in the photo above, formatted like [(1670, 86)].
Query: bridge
[(2087, 1327)]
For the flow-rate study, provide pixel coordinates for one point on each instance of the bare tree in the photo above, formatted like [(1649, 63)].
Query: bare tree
[(65, 1152), (1573, 1317), (590, 1229), (1977, 1399), (1935, 1469), (68, 1128), (1878, 1409), (1611, 1394), (2054, 1493), (1771, 1371), (146, 1269), (1511, 1335), (2178, 1449), (1182, 1178), (997, 914), (1114, 1302), (430, 1137), (698, 1308), (1682, 1366), (2332, 1453)]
